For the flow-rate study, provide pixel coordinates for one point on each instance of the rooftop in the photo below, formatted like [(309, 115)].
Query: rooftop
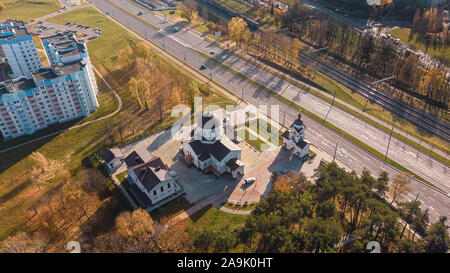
[(151, 173), (65, 45), (56, 71), (11, 86), (12, 29), (138, 157), (112, 153)]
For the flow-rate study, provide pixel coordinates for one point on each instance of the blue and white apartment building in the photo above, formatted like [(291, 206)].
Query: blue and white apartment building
[(36, 96)]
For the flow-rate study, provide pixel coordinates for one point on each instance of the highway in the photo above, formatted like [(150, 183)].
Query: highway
[(181, 43), (401, 109)]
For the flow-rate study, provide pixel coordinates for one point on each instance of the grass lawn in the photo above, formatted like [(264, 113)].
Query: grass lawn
[(233, 5), (70, 149), (171, 209), (251, 139), (27, 10), (214, 218), (103, 50), (432, 47), (264, 130)]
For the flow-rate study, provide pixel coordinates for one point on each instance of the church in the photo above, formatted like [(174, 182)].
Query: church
[(210, 150), (294, 138)]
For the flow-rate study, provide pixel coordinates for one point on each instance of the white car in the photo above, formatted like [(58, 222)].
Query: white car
[(249, 180)]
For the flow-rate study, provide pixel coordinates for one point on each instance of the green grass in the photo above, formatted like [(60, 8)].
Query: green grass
[(214, 218), (104, 49), (233, 5), (27, 10), (251, 139), (266, 132), (435, 48), (171, 209), (70, 148)]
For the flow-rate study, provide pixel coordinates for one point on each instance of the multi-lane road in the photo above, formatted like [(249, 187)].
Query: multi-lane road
[(402, 110), (185, 43)]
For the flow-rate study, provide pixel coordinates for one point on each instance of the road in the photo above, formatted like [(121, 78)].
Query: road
[(180, 44), (402, 110)]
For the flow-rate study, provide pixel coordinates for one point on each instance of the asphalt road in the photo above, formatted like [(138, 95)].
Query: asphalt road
[(407, 112), (180, 44)]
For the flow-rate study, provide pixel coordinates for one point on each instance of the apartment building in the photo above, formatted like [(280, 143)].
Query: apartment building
[(19, 49), (54, 95), (41, 96)]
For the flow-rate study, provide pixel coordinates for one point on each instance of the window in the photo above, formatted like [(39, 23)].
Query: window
[(168, 186), (162, 189), (154, 192)]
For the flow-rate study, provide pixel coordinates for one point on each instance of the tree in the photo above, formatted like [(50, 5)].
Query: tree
[(238, 30), (24, 243), (409, 211), (400, 186), (135, 226), (382, 184), (326, 209), (437, 240), (323, 235), (187, 9)]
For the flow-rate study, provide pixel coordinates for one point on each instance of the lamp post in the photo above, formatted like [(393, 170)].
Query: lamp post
[(383, 80)]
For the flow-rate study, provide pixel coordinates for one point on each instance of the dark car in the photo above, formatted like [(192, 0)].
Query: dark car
[(202, 67)]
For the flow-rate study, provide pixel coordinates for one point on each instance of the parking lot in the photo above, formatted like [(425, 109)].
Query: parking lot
[(198, 185), (44, 28)]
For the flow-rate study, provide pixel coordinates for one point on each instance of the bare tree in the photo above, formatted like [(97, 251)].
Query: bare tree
[(400, 186)]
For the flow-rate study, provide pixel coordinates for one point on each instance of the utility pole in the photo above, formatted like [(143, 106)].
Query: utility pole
[(390, 136)]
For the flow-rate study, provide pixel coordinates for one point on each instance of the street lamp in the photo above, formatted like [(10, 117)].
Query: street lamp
[(383, 80)]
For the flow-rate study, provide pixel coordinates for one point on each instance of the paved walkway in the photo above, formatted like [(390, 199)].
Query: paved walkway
[(122, 189)]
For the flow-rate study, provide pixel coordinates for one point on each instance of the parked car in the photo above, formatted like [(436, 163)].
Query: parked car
[(249, 180)]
